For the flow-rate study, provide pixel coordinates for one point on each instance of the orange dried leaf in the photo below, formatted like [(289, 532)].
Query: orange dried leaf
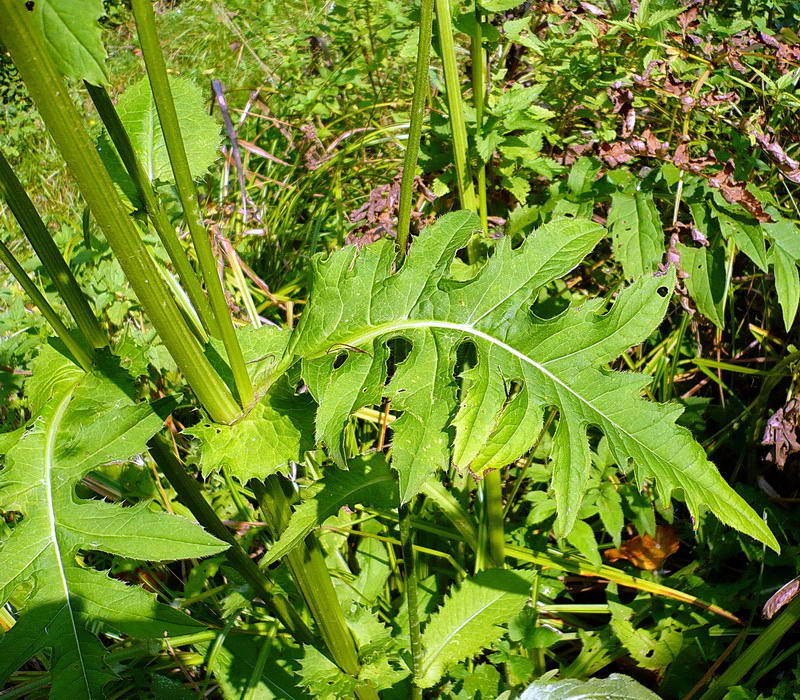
[(646, 552)]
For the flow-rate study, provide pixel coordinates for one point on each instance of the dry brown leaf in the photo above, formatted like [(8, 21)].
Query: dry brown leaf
[(646, 552)]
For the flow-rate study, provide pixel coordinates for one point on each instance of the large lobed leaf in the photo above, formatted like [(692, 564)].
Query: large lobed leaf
[(86, 421), (358, 304)]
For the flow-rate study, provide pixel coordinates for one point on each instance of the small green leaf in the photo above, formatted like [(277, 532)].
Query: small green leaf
[(499, 5), (748, 236), (707, 279), (468, 620), (276, 431), (636, 232), (582, 538), (787, 283)]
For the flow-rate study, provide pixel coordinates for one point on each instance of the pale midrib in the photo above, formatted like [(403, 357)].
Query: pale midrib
[(435, 654), (470, 330), (49, 448)]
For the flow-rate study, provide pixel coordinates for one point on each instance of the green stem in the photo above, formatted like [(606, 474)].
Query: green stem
[(411, 584), (415, 127), (478, 56), (458, 128), (79, 352), (493, 492), (309, 572), (158, 217), (190, 494), (46, 250), (453, 511), (168, 117), (759, 648), (51, 96)]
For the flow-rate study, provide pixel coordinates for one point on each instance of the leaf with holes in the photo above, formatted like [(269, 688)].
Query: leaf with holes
[(89, 420), (358, 304)]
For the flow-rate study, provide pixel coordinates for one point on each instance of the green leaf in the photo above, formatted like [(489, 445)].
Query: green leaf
[(615, 687), (468, 620), (200, 131), (73, 36), (748, 236), (787, 283), (87, 421), (707, 280), (358, 304), (636, 232), (368, 480), (582, 538), (499, 5), (784, 255), (274, 433)]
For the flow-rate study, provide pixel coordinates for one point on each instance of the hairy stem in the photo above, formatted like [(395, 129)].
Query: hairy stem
[(49, 92), (415, 127), (410, 575), (79, 351), (168, 117), (158, 217), (478, 58), (458, 128), (46, 250), (190, 494)]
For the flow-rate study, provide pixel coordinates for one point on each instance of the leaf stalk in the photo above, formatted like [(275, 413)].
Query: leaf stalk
[(168, 117)]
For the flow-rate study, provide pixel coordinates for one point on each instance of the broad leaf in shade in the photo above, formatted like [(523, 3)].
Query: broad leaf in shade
[(73, 36), (368, 480), (358, 304), (137, 110), (636, 232), (468, 620), (235, 660), (88, 421)]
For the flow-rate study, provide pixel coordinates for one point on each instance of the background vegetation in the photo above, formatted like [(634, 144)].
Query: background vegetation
[(673, 125)]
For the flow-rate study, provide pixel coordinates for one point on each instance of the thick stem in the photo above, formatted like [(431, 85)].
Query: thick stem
[(410, 571), (82, 354), (168, 117), (49, 92), (415, 127), (309, 572), (158, 217), (458, 128), (190, 494), (46, 250), (496, 540)]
